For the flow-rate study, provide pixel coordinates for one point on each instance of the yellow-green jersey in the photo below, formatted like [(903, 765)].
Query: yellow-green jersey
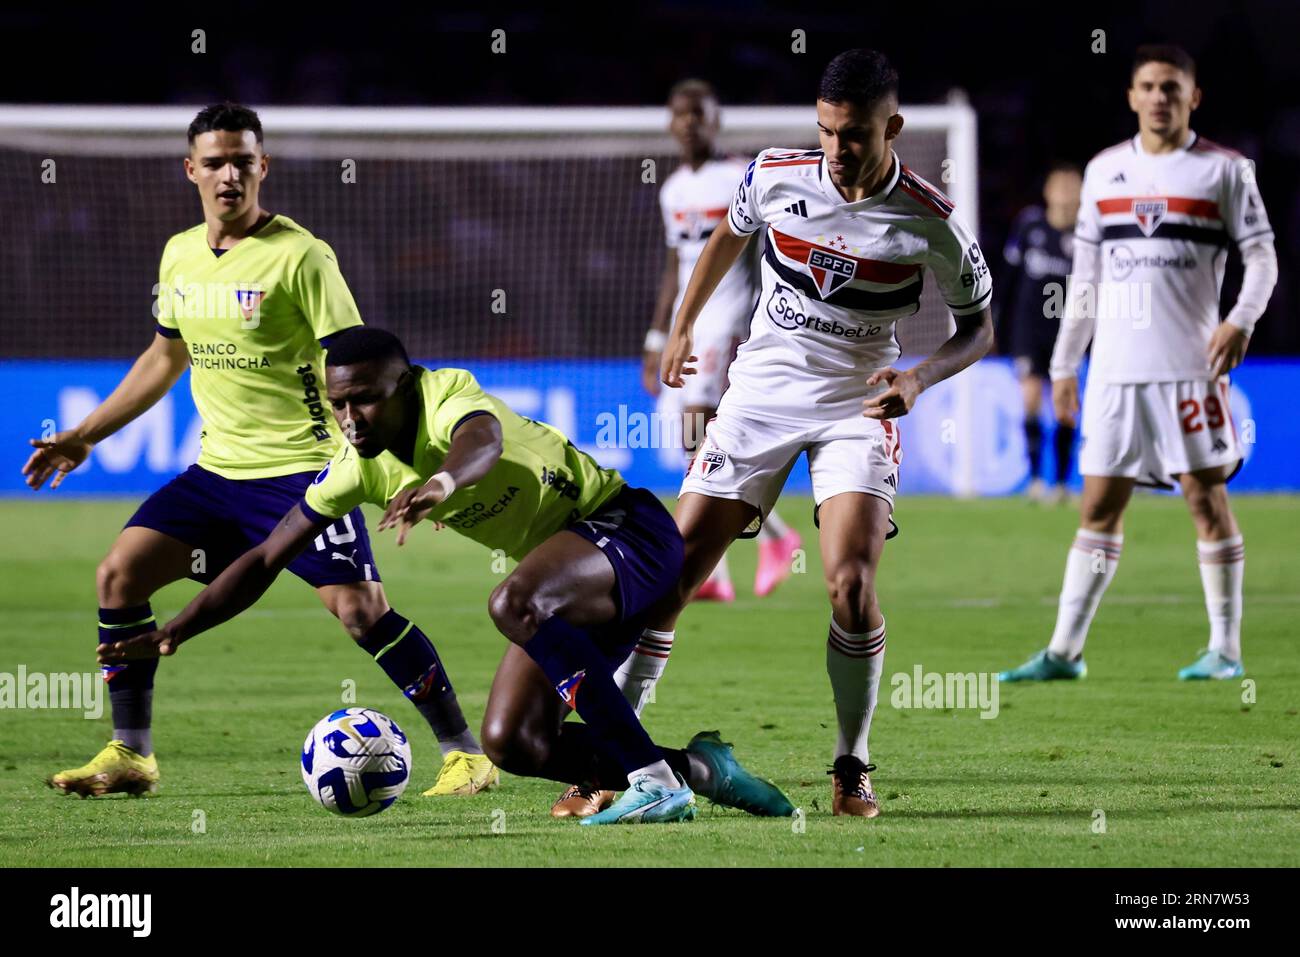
[(252, 319), (541, 483)]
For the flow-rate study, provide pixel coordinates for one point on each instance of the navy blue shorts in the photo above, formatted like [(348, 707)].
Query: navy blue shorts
[(641, 540), (226, 517)]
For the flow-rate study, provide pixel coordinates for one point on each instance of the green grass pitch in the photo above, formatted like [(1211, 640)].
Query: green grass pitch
[(1129, 767)]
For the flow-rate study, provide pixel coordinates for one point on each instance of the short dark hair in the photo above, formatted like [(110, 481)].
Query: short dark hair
[(362, 344), (225, 116), (1163, 53), (861, 77), (693, 87)]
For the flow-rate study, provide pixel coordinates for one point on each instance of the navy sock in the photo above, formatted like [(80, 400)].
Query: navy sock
[(1063, 443), (583, 677), (410, 660), (130, 686), (574, 759), (1034, 445)]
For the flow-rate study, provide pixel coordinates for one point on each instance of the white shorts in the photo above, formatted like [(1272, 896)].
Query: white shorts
[(1155, 431), (749, 459)]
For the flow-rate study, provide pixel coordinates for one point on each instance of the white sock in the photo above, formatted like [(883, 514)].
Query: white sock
[(1089, 567), (659, 772), (1223, 566), (773, 528), (636, 677), (720, 575), (854, 664)]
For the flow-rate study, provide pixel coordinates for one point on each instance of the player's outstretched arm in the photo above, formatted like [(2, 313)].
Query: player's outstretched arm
[(720, 254), (154, 372), (237, 588), (970, 343), (475, 448)]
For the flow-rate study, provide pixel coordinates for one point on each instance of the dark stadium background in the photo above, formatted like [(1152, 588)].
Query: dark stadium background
[(1039, 91)]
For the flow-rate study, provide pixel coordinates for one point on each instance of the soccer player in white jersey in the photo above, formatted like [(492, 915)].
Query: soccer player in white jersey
[(850, 231), (694, 201), (1157, 214)]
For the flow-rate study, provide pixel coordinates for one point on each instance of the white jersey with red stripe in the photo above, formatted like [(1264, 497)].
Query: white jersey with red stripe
[(694, 202), (836, 277), (1161, 224)]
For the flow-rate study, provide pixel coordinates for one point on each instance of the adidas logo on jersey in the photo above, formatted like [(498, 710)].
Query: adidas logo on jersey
[(799, 209), (1118, 177)]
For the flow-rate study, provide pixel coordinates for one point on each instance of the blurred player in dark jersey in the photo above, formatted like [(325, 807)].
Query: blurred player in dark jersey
[(1038, 253)]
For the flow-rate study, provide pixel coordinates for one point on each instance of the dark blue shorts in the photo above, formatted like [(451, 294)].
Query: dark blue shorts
[(641, 540), (226, 517)]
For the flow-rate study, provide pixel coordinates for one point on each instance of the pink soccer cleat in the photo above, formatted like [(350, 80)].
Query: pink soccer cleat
[(715, 591), (774, 562)]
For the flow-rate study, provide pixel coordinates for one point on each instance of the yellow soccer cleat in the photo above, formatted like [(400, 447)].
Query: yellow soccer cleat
[(464, 774), (116, 768)]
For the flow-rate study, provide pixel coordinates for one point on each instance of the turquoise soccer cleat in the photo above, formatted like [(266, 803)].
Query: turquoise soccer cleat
[(733, 785), (1046, 666), (646, 802), (1211, 666)]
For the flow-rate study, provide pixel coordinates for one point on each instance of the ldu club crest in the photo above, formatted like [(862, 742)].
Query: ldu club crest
[(250, 303)]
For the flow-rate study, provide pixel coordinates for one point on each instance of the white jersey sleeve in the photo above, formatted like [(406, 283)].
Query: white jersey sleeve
[(959, 267), (746, 216), (1244, 215)]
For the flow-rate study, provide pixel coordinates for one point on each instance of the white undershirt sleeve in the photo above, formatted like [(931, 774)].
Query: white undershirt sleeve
[(1260, 261), (1080, 311)]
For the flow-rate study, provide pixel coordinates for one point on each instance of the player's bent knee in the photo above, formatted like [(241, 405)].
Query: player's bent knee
[(513, 610), (358, 608), (511, 748), (852, 588), (115, 582)]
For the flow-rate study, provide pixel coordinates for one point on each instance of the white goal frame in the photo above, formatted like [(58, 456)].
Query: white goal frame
[(463, 132)]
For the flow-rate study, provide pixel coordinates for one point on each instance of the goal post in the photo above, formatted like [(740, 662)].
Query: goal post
[(511, 235)]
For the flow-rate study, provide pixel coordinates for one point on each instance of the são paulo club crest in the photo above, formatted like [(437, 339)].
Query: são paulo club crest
[(1150, 213), (830, 271), (710, 461)]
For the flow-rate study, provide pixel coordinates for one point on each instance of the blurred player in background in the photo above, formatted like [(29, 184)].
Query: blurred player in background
[(1157, 215), (849, 231), (249, 300), (1038, 253), (694, 201), (594, 556)]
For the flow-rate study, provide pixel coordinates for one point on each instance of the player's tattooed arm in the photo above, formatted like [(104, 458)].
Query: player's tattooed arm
[(720, 254), (475, 448), (234, 590), (657, 336), (152, 375), (970, 343)]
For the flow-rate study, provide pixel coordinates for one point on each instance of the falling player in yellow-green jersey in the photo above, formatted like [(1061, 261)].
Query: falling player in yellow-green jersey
[(249, 301), (595, 556)]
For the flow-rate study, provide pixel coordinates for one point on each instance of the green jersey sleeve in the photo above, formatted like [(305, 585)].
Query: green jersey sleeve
[(461, 397), (340, 487), (321, 292), (165, 308)]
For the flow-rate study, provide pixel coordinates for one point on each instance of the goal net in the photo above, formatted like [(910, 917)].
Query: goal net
[(523, 244), (489, 233)]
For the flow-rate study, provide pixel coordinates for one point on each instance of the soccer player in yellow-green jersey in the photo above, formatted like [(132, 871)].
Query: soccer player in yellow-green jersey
[(595, 556), (248, 300)]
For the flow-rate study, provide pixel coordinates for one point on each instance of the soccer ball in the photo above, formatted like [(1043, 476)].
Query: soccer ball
[(356, 762)]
